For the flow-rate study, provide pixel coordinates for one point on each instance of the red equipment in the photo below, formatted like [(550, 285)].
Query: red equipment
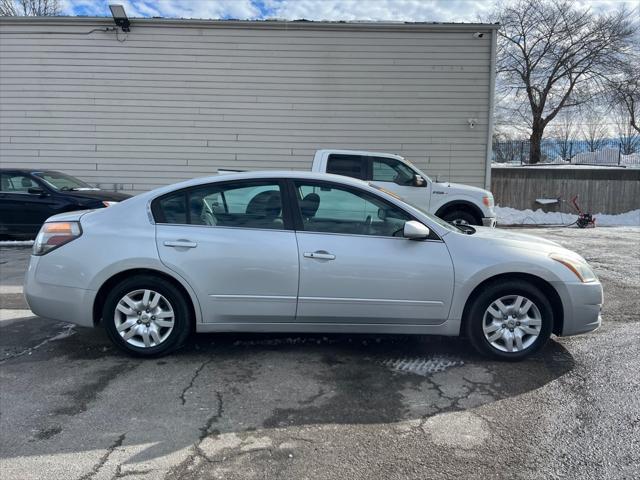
[(585, 220)]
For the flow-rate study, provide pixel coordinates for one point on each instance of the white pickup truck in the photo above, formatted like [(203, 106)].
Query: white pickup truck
[(453, 202)]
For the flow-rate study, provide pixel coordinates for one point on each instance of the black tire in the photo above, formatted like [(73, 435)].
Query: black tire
[(475, 318), (181, 320), (461, 217)]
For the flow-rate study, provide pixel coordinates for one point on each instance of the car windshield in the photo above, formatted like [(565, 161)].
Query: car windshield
[(63, 182), (431, 216)]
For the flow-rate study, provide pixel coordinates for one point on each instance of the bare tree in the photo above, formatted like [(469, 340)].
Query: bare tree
[(626, 89), (30, 8), (627, 133), (564, 132), (553, 55), (594, 129)]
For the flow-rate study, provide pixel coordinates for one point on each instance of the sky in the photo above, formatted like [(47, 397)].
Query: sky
[(345, 10)]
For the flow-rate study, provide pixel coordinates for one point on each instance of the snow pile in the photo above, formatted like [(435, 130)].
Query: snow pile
[(554, 166), (632, 160), (608, 157), (512, 216)]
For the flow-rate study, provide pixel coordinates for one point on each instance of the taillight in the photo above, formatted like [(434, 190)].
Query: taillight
[(55, 234)]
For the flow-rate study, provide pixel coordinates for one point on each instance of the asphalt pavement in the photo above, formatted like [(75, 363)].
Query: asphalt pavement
[(231, 406)]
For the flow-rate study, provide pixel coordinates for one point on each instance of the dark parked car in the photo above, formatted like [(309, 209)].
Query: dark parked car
[(29, 197)]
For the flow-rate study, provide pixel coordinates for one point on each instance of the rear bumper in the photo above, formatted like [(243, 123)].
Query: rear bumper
[(489, 222), (582, 304), (56, 302)]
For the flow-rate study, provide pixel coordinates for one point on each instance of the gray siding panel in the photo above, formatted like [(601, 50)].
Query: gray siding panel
[(175, 101)]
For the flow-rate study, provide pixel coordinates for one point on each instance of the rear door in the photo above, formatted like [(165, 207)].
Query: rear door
[(355, 266), (233, 243)]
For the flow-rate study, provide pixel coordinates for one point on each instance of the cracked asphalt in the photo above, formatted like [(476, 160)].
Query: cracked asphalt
[(325, 406)]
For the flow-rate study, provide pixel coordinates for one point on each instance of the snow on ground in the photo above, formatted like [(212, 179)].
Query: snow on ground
[(512, 216)]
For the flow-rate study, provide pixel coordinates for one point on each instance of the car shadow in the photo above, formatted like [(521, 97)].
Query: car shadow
[(239, 383)]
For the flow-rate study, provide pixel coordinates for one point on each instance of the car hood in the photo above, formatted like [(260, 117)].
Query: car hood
[(517, 240), (101, 195)]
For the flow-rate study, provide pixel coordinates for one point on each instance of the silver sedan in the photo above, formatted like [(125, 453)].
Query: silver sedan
[(302, 252)]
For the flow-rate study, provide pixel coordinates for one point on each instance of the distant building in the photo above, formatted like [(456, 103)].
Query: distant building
[(175, 99)]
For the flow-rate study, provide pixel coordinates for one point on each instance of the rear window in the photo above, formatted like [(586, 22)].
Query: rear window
[(347, 165)]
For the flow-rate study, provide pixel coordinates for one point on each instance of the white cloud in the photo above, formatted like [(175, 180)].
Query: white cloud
[(390, 10), (240, 9), (335, 10), (407, 10)]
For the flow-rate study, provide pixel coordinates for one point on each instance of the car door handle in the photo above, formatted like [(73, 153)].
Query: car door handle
[(181, 244), (320, 255)]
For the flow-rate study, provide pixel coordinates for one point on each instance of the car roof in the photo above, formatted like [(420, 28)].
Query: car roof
[(26, 170), (260, 174)]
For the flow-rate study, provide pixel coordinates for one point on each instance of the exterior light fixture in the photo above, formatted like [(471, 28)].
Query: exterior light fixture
[(120, 17)]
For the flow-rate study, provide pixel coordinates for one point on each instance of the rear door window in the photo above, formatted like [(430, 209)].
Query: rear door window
[(354, 166), (230, 204)]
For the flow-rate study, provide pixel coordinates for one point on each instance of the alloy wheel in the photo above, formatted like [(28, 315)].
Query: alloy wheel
[(512, 323), (144, 318)]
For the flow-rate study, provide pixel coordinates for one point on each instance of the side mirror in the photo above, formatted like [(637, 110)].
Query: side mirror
[(415, 230), (35, 191), (418, 181)]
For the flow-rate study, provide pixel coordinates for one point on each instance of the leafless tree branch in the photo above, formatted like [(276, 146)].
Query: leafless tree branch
[(553, 55), (30, 8)]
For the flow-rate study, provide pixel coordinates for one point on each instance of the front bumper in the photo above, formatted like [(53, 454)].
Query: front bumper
[(582, 303), (56, 302), (489, 222)]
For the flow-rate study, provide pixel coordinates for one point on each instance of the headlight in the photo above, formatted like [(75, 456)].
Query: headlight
[(55, 234), (108, 203), (488, 201), (579, 268)]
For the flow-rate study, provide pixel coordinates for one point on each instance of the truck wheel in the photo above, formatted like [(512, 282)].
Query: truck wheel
[(461, 217)]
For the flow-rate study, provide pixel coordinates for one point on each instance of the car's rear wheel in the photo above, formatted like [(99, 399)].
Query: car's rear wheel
[(509, 320), (146, 316)]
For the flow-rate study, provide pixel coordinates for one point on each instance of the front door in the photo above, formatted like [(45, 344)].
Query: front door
[(355, 266), (229, 241)]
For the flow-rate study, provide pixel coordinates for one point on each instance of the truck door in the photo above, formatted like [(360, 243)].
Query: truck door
[(397, 177)]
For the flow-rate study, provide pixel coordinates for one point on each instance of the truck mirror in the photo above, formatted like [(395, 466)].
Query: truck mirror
[(418, 181)]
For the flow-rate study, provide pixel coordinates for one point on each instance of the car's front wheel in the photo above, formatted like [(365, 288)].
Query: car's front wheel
[(509, 320), (146, 316), (461, 217)]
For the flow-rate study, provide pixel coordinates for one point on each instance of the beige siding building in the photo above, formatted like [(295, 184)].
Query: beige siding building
[(176, 99)]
